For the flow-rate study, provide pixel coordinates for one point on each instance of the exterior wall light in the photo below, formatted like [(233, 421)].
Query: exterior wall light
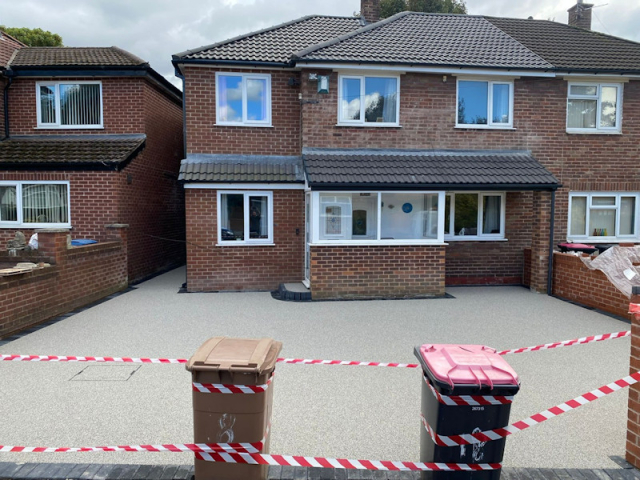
[(323, 84)]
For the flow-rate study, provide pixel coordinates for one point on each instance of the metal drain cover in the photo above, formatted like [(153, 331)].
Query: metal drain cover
[(105, 373)]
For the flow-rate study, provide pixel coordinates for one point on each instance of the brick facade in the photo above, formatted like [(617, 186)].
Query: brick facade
[(377, 271), (224, 268), (77, 276), (144, 195)]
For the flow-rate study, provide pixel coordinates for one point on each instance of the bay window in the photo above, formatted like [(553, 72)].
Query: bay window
[(243, 99), (245, 217), (603, 216), (368, 100), (473, 216), (69, 104), (378, 217), (594, 107), (484, 104), (34, 204)]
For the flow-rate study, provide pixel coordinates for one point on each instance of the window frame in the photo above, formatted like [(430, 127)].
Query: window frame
[(598, 128), (316, 228), (362, 122), (589, 205), (247, 194), (58, 124), (245, 122), (480, 236), (490, 83), (20, 214)]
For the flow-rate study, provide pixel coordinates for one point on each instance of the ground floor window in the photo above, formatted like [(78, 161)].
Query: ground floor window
[(603, 216), (245, 217), (34, 204), (402, 217), (470, 216)]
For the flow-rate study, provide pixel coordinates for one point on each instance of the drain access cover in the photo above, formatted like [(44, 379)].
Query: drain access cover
[(105, 373)]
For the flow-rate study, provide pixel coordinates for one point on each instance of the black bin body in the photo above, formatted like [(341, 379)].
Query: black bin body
[(460, 419)]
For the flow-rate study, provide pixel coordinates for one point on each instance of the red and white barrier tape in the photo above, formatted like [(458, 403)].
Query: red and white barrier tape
[(498, 433), (63, 358), (180, 447), (342, 463), (220, 388), (568, 343), (307, 361), (471, 400)]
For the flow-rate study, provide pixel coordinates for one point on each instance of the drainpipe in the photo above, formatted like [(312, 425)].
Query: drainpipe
[(551, 243), (6, 107)]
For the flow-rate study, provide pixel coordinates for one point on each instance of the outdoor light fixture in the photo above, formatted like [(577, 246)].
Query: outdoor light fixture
[(313, 77), (323, 84)]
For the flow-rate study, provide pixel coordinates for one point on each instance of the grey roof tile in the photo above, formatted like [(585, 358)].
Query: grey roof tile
[(69, 150), (241, 168), (276, 44), (464, 168), (74, 56)]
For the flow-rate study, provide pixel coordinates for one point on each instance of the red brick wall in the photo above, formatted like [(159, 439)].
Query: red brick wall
[(377, 271), (81, 275), (212, 268), (633, 419), (3, 83), (203, 136), (572, 280), (122, 105), (526, 273)]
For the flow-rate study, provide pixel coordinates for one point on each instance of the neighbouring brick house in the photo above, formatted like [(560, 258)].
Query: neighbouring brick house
[(91, 137), (391, 158)]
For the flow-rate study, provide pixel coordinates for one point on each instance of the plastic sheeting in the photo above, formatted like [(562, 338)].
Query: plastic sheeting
[(614, 262)]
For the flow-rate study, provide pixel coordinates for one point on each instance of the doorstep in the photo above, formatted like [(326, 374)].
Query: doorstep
[(293, 292)]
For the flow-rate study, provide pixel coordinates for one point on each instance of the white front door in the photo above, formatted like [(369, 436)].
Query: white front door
[(307, 240)]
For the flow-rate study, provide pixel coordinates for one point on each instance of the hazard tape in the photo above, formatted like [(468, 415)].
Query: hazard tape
[(63, 358), (342, 463), (568, 343), (307, 361), (179, 447), (498, 433), (470, 400), (219, 388)]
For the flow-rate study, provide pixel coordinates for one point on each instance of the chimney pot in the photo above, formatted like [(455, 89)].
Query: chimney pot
[(580, 15), (370, 10)]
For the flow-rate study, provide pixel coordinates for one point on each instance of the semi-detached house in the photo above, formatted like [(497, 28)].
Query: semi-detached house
[(390, 158)]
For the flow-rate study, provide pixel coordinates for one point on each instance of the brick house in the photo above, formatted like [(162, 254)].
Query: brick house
[(390, 158), (91, 137)]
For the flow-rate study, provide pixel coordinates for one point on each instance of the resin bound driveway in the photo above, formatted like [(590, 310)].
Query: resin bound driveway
[(353, 412)]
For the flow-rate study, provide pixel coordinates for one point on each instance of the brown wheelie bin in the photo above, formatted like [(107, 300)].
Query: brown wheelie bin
[(233, 417)]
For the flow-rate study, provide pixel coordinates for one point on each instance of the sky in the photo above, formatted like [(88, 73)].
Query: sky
[(156, 29)]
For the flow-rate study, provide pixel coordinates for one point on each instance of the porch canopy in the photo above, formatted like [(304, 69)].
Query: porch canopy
[(349, 169)]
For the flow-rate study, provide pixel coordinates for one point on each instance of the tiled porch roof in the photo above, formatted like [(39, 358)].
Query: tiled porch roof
[(437, 169), (241, 168)]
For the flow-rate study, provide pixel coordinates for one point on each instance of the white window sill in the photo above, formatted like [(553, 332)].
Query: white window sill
[(250, 125), (475, 239), (368, 125), (592, 132), (483, 127), (381, 243), (244, 244), (69, 127), (603, 240), (34, 225)]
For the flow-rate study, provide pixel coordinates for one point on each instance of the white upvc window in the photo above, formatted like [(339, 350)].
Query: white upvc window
[(243, 99), (484, 103), (372, 101), (377, 218), (603, 216), (245, 217), (73, 104), (35, 204), (594, 107), (475, 216)]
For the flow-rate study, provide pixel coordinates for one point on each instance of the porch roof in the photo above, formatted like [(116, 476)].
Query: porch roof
[(426, 169)]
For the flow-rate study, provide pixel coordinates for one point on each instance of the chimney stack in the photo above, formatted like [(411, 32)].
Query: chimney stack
[(370, 10), (580, 15)]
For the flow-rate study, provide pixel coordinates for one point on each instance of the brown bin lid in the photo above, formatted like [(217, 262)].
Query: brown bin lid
[(236, 355)]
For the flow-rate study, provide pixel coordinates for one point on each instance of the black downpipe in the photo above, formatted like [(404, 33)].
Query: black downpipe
[(6, 108), (551, 243)]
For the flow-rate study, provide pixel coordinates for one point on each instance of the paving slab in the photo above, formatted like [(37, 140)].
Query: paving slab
[(343, 412)]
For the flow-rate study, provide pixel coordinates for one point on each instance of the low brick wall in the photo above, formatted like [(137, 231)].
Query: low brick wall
[(572, 280), (377, 271), (77, 276)]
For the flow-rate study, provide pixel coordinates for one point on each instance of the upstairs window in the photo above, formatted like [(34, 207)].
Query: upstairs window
[(34, 204), (69, 105), (485, 104), (243, 99), (371, 101), (594, 107)]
